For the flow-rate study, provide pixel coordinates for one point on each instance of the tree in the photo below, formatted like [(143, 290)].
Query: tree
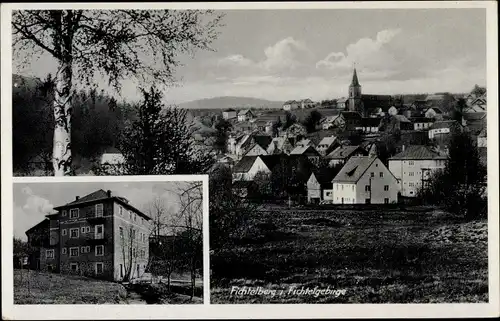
[(461, 185), (312, 120), (114, 43), (290, 119), (159, 142), (478, 91), (223, 127), (276, 127), (458, 113), (262, 181)]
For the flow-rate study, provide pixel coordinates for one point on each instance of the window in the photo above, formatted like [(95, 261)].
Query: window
[(64, 213), (367, 188), (386, 187), (64, 231), (49, 254), (99, 209), (74, 213), (134, 254), (99, 250), (133, 234), (82, 249), (87, 249), (386, 201), (73, 233), (412, 163), (64, 250), (73, 251), (99, 268), (121, 232), (381, 174), (83, 229), (74, 267), (130, 215), (411, 184), (120, 210), (328, 193), (372, 174), (135, 217), (88, 229), (411, 173), (99, 231), (352, 187)]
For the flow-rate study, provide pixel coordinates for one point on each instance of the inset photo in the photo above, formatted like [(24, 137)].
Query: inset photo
[(97, 242)]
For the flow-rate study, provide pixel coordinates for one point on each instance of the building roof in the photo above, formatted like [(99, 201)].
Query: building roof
[(474, 116), (327, 141), (444, 124), (301, 150), (288, 102), (304, 142), (262, 140), (229, 109), (355, 82), (370, 122), (421, 120), (343, 152), (351, 115), (401, 118), (101, 195), (244, 165), (324, 175), (436, 109), (418, 152), (42, 225), (355, 167), (244, 112)]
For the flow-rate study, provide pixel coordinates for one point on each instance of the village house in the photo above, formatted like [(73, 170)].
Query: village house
[(229, 114), (259, 146), (307, 103), (38, 238), (249, 166), (443, 128), (477, 104), (237, 146), (342, 154), (308, 151), (368, 125), (351, 119), (112, 159), (291, 105), (414, 166), (280, 145), (342, 103), (403, 123), (98, 235), (334, 121), (474, 122), (245, 114), (327, 145), (434, 113), (365, 180), (319, 186), (421, 123)]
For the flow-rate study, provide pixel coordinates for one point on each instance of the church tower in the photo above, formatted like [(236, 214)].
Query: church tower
[(355, 103)]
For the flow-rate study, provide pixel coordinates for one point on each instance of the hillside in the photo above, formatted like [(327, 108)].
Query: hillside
[(230, 102)]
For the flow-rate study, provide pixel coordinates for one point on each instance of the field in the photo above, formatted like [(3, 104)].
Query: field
[(370, 256), (50, 288)]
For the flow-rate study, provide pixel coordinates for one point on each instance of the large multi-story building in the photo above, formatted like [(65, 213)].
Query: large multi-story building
[(98, 235), (414, 166)]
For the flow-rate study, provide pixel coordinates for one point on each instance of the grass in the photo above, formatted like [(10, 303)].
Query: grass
[(52, 288), (394, 256)]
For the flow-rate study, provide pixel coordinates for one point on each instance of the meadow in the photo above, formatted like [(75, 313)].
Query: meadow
[(369, 256)]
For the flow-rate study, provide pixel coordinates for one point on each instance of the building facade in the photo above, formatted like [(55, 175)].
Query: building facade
[(99, 235)]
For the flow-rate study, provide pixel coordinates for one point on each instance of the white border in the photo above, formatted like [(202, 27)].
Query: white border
[(245, 311)]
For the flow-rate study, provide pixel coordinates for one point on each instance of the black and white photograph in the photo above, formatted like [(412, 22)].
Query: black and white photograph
[(348, 153), (108, 243)]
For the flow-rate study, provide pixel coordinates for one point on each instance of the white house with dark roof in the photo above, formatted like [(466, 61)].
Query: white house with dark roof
[(421, 123), (326, 145), (245, 114), (365, 180), (443, 127), (413, 167), (290, 105), (434, 113), (309, 151)]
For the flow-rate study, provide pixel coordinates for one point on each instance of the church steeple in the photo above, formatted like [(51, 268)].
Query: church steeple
[(355, 82)]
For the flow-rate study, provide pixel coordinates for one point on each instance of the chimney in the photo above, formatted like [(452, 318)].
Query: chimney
[(77, 198), (109, 193)]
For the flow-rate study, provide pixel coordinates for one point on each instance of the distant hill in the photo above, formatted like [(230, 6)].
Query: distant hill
[(230, 102)]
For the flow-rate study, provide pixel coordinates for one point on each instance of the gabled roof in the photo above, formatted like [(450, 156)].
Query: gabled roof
[(263, 140), (244, 165), (354, 168), (418, 152), (343, 152), (301, 150), (244, 112), (401, 119), (324, 175), (272, 160), (436, 109), (327, 141), (474, 116), (101, 195), (288, 102), (42, 225)]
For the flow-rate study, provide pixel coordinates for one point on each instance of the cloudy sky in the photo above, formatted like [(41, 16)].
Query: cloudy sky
[(291, 54), (32, 201)]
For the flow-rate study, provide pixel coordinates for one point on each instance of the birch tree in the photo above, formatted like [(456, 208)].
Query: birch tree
[(117, 44)]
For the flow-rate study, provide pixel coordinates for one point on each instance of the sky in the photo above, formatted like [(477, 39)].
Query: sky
[(32, 201), (307, 53)]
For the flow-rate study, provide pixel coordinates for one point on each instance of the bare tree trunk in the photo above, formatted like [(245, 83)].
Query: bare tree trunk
[(61, 158)]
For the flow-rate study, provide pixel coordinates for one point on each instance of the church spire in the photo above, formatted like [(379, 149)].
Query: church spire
[(354, 82)]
